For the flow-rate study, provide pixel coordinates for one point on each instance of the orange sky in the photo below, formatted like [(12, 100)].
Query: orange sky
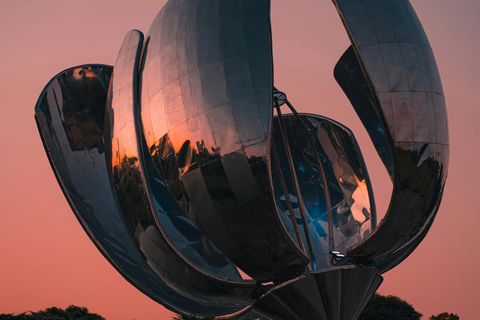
[(47, 260)]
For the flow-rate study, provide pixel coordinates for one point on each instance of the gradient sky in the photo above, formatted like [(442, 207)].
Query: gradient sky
[(47, 260)]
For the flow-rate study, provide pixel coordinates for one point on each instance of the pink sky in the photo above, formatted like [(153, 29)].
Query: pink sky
[(47, 260)]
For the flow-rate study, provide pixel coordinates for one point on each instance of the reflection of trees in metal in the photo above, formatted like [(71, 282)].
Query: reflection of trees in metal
[(84, 122), (184, 178)]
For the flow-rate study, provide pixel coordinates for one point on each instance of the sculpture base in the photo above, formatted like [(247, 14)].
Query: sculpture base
[(338, 294)]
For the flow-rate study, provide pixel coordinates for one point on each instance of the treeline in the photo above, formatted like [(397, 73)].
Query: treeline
[(379, 307), (54, 313)]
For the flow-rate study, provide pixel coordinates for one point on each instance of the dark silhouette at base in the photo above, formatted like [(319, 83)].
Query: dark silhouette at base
[(54, 313)]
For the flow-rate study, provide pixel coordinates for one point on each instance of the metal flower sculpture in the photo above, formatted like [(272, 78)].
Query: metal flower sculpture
[(182, 168)]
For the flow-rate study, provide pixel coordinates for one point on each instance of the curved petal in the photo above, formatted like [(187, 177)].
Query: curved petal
[(70, 119), (174, 225), (347, 181), (404, 100), (206, 88)]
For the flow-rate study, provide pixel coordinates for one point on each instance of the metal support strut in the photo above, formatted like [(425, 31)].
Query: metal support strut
[(292, 169), (287, 199), (281, 122)]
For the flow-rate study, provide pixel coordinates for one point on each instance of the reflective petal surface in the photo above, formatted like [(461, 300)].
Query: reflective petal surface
[(348, 183), (206, 88), (70, 118), (401, 103)]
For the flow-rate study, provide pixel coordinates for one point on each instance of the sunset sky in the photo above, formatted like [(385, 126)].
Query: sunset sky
[(46, 259)]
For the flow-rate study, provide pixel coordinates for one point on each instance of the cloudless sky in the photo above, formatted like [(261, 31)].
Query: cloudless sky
[(47, 260)]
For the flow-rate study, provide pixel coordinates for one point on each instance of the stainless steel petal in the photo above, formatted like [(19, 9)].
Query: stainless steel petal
[(126, 167), (347, 180), (206, 88), (393, 82), (178, 229)]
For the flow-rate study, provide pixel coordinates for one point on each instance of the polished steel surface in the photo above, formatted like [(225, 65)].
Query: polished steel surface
[(206, 97), (179, 172), (347, 181), (392, 80), (338, 294), (70, 118)]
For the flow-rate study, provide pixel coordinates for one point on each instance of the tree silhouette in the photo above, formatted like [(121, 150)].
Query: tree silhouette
[(389, 308), (445, 316), (54, 313)]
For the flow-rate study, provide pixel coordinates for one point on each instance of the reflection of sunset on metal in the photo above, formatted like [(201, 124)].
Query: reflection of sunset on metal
[(307, 42), (190, 217)]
